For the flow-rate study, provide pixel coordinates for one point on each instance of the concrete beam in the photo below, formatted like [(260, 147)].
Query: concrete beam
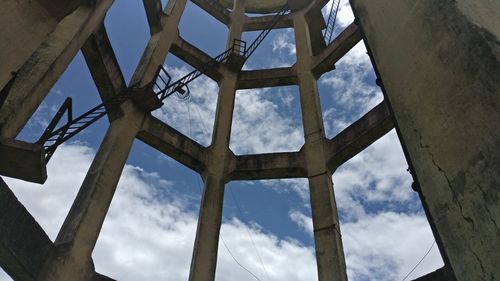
[(206, 245), (316, 24), (195, 57), (215, 9), (37, 76), (172, 143), (275, 77), (104, 67), (22, 160), (340, 46), (327, 234), (358, 136), (269, 166), (79, 233), (440, 71), (24, 25), (158, 46), (61, 8), (24, 246), (260, 23), (154, 13)]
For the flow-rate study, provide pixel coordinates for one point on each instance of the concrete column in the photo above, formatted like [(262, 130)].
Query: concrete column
[(204, 261), (159, 45), (37, 76), (24, 25), (79, 233), (328, 243), (440, 68)]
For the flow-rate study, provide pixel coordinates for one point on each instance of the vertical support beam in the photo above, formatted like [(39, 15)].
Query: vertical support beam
[(328, 243), (78, 235), (37, 76), (159, 45), (154, 14), (24, 25), (204, 261), (104, 67), (439, 64)]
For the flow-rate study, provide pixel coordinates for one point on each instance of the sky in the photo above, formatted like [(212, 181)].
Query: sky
[(267, 226)]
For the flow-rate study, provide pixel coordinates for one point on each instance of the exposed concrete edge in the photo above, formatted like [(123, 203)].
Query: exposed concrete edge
[(260, 23), (274, 77), (220, 16), (104, 68), (173, 143), (22, 160), (154, 13), (358, 136), (24, 245), (347, 39), (195, 57), (269, 166)]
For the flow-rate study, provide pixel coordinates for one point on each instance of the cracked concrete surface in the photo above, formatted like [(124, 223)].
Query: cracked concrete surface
[(439, 64)]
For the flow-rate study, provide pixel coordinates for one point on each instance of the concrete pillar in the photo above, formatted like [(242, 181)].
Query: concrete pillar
[(159, 45), (78, 235), (24, 25), (37, 76), (204, 261), (439, 64), (329, 250)]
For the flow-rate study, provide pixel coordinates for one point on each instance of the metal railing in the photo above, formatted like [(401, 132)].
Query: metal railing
[(162, 86), (53, 138), (270, 26)]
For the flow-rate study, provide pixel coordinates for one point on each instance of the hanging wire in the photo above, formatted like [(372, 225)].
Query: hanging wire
[(227, 248), (201, 191), (248, 232), (421, 260)]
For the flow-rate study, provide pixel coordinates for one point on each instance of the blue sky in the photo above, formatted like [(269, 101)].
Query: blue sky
[(152, 220)]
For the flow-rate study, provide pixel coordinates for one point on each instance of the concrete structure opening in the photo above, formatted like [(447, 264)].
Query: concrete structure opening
[(436, 63)]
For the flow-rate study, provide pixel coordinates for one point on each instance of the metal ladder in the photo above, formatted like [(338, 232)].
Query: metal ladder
[(332, 20)]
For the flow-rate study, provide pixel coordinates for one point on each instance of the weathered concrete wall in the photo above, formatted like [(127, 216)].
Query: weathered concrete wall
[(23, 26), (439, 61)]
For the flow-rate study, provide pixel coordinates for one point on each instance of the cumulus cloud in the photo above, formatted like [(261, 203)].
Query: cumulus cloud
[(283, 44), (259, 125), (150, 229), (195, 117), (384, 230)]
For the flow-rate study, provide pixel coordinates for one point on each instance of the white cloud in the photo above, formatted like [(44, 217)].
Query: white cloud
[(354, 91), (385, 246), (376, 175), (258, 123), (283, 44), (149, 229), (303, 221), (194, 117)]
